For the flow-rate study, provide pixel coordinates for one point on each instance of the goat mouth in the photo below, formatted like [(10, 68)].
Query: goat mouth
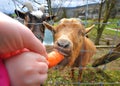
[(64, 51)]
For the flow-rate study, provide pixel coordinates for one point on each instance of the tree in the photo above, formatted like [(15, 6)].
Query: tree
[(49, 6), (109, 5)]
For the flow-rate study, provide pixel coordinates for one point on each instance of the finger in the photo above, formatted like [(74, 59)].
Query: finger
[(35, 80), (32, 43), (42, 67), (42, 59), (42, 78)]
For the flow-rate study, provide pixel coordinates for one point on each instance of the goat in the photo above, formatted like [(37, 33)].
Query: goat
[(70, 40), (33, 19)]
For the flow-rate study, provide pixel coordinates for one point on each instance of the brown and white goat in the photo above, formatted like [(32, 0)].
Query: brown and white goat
[(70, 40), (33, 19)]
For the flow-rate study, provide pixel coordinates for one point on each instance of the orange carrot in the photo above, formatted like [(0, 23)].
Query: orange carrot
[(54, 58)]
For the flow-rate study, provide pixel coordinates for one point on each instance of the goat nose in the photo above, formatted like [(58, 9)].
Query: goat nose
[(63, 43)]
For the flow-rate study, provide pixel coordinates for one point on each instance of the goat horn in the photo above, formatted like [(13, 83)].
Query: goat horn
[(28, 5), (89, 28)]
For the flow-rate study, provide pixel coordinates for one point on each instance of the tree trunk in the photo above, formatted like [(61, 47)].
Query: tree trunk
[(99, 33), (111, 56), (49, 7), (109, 6)]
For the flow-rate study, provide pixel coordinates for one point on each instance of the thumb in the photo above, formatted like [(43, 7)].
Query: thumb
[(34, 44)]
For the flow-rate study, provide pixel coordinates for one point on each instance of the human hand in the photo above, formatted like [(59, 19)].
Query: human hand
[(15, 36), (27, 69)]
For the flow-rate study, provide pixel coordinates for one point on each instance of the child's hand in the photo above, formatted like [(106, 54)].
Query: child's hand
[(27, 69)]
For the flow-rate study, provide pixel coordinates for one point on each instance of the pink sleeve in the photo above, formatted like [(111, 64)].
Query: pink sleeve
[(4, 79)]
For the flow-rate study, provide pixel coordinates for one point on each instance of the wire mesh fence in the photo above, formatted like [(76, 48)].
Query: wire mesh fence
[(105, 75)]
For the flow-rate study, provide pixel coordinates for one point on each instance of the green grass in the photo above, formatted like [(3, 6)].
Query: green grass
[(111, 32), (91, 77), (114, 23), (114, 35)]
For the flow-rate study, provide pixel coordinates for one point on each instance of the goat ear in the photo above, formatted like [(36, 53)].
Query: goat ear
[(20, 14), (48, 26), (89, 29)]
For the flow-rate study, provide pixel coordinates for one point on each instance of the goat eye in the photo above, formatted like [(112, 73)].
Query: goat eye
[(79, 33), (53, 32)]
